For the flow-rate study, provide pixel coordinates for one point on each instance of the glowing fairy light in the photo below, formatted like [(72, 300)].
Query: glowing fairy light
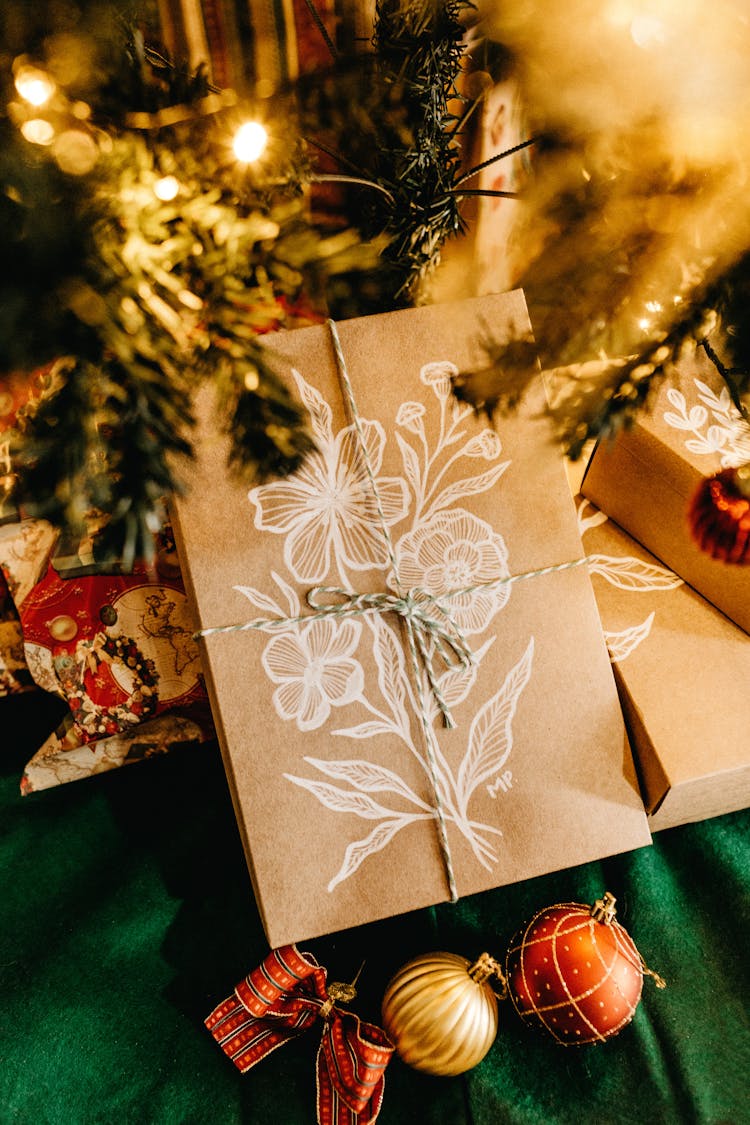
[(34, 85), (647, 31), (644, 324), (249, 142), (76, 152), (38, 131), (166, 188)]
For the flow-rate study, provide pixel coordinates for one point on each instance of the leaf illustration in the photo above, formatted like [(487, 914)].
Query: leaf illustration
[(469, 486), (491, 734), (594, 520), (700, 446), (691, 419), (292, 597), (677, 399), (261, 601), (621, 645), (368, 777), (718, 436), (411, 464), (342, 800), (677, 421), (359, 850), (365, 730), (459, 411), (721, 403), (318, 409), (389, 657), (456, 683), (629, 573)]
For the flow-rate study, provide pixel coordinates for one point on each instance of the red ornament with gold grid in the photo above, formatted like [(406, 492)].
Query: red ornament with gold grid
[(576, 972)]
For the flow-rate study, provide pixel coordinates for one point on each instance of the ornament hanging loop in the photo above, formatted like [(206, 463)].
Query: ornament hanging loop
[(485, 967), (658, 980), (339, 992), (604, 909)]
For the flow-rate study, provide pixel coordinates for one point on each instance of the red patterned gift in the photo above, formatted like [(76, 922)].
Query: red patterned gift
[(118, 648)]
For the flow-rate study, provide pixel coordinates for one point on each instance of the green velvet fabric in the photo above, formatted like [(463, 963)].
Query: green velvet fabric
[(127, 914)]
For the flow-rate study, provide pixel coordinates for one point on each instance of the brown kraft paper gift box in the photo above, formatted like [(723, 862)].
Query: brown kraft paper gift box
[(646, 477), (676, 660), (326, 745)]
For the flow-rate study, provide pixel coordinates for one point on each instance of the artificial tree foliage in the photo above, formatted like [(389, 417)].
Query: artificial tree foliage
[(143, 257)]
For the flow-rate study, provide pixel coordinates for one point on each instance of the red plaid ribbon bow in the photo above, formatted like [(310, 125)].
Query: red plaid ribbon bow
[(282, 998)]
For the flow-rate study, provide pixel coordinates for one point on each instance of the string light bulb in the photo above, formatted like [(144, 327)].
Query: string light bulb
[(37, 131), (647, 31), (249, 142), (166, 188), (34, 85)]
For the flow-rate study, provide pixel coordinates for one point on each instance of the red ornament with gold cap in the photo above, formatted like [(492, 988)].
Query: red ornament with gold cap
[(719, 515), (576, 972)]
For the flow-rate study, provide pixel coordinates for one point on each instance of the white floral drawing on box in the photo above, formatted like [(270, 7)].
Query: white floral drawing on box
[(620, 645), (626, 572), (327, 512), (715, 423), (315, 670), (454, 550)]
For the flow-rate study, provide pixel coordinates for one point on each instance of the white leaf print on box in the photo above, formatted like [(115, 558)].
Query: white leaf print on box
[(620, 645), (626, 573), (329, 517), (491, 734), (629, 573), (715, 423)]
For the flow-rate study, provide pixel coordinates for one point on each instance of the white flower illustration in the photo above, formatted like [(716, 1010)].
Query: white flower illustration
[(487, 445), (439, 376), (453, 550), (411, 416), (314, 670), (327, 507)]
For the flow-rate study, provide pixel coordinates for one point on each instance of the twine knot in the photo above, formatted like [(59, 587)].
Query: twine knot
[(430, 628)]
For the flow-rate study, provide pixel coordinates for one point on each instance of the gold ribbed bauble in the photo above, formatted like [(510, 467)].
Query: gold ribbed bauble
[(440, 1011)]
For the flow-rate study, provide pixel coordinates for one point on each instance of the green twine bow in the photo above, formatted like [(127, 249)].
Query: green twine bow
[(428, 624)]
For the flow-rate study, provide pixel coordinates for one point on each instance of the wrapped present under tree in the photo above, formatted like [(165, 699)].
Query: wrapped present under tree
[(353, 799)]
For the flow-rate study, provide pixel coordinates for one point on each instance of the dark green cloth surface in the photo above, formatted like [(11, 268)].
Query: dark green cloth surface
[(127, 914)]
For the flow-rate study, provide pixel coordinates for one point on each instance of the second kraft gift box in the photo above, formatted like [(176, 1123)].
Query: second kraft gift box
[(681, 667), (354, 800), (647, 476)]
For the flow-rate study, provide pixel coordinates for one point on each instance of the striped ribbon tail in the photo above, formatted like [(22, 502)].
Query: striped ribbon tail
[(273, 1004), (351, 1066)]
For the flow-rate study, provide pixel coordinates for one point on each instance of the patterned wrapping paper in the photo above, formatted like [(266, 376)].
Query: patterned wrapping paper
[(16, 391), (326, 744), (647, 476), (117, 648), (25, 549), (499, 253), (490, 255), (14, 674), (676, 659), (259, 45)]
